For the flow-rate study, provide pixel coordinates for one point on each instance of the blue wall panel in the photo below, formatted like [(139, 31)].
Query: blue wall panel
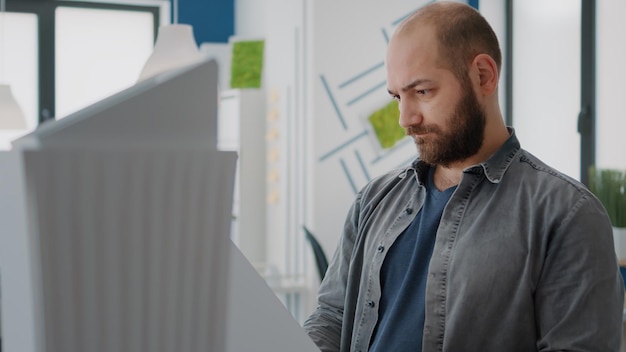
[(212, 20)]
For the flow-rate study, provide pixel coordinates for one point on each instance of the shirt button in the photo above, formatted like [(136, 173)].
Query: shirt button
[(409, 210), (381, 248), (371, 304)]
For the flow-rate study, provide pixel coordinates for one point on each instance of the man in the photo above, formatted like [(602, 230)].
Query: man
[(478, 245)]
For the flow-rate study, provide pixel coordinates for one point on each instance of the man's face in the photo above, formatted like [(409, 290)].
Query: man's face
[(459, 136), (441, 113)]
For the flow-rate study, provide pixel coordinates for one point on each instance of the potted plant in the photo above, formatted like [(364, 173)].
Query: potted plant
[(609, 185)]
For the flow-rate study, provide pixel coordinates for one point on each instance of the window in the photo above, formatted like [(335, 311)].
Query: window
[(611, 55), (18, 67), (85, 51), (546, 80), (98, 52)]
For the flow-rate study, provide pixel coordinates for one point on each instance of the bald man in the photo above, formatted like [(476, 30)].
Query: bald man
[(477, 245)]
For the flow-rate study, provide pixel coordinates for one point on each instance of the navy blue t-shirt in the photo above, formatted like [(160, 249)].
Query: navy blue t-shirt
[(403, 275)]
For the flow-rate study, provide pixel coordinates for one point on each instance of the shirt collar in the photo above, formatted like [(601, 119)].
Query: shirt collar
[(494, 167)]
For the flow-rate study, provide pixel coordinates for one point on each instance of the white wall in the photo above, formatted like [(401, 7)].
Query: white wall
[(250, 18), (495, 13), (283, 25), (349, 84)]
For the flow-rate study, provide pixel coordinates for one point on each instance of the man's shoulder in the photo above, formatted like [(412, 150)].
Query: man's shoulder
[(390, 182), (538, 173), (394, 176)]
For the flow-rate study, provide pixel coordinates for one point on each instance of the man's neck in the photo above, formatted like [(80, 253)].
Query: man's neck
[(446, 177)]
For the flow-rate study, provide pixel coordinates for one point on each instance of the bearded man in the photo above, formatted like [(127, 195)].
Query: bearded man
[(478, 245)]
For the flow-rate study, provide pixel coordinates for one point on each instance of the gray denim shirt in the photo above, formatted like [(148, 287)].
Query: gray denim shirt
[(523, 261)]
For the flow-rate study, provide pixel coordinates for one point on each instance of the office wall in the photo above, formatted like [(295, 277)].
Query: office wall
[(349, 79), (213, 21), (283, 26)]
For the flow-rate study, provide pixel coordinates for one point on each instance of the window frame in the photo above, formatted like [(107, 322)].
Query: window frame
[(587, 116), (45, 10)]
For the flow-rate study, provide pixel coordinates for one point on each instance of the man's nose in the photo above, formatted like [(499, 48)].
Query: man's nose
[(410, 114)]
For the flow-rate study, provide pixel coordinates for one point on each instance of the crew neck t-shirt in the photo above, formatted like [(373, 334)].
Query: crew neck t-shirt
[(403, 276)]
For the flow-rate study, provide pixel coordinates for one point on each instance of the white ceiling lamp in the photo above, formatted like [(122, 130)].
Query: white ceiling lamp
[(11, 115), (175, 47)]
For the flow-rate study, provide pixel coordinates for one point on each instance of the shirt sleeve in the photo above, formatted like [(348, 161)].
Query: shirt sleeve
[(324, 325), (579, 299)]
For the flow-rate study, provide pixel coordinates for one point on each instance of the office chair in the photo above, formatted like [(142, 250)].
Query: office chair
[(318, 252)]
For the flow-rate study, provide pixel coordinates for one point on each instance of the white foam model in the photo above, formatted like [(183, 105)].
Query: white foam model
[(115, 224)]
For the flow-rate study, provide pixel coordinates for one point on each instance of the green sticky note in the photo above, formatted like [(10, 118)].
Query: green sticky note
[(247, 64), (385, 124)]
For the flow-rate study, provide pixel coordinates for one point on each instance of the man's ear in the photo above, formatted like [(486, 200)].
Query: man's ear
[(487, 71)]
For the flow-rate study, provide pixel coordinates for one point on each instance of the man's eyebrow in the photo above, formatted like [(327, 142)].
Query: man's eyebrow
[(411, 85)]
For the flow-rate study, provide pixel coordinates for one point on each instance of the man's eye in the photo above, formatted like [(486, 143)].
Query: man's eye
[(423, 91), (395, 97)]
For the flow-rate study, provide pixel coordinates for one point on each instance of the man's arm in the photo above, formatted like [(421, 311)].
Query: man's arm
[(324, 326), (579, 299)]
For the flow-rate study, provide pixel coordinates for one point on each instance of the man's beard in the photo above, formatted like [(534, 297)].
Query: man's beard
[(462, 139)]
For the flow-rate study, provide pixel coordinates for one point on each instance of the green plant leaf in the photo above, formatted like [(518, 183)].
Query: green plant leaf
[(609, 185)]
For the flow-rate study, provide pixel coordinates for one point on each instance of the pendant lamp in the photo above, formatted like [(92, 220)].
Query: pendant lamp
[(11, 115), (175, 47)]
